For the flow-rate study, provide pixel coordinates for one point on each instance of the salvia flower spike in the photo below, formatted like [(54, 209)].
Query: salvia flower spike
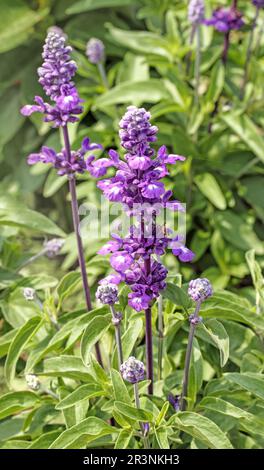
[(199, 290), (95, 51), (56, 77), (196, 11)]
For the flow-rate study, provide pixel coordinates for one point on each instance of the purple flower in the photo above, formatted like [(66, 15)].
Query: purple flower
[(121, 261), (55, 76), (95, 50), (111, 279), (196, 11), (258, 3), (225, 20), (200, 289), (52, 247), (194, 320), (107, 294), (132, 370), (174, 401), (59, 161), (136, 184)]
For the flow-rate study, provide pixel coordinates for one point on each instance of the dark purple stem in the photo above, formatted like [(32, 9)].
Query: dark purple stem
[(226, 47), (76, 224), (188, 359), (149, 351)]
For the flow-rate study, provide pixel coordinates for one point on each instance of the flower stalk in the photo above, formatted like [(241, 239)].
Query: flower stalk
[(143, 430), (76, 225), (116, 320), (160, 336)]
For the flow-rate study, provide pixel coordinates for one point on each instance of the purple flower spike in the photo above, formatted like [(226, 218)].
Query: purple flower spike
[(132, 370), (57, 69), (95, 50), (196, 11), (200, 289), (107, 294), (258, 3), (225, 20)]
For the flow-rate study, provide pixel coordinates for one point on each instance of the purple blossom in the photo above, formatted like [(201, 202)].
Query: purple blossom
[(132, 370), (95, 50), (107, 294), (196, 11), (225, 20), (136, 184), (174, 401), (59, 161), (194, 320), (200, 289), (258, 3), (52, 247), (55, 76)]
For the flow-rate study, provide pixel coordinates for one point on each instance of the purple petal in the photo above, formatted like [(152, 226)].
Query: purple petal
[(121, 261)]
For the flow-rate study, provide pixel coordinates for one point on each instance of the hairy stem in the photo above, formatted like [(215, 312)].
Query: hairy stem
[(249, 52), (149, 350), (76, 224), (117, 338), (188, 360), (137, 402)]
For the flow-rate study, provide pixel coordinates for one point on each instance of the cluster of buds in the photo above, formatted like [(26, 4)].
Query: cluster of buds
[(107, 294), (200, 289), (132, 370), (95, 50)]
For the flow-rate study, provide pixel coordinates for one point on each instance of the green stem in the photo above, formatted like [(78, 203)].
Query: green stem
[(249, 52), (197, 63), (188, 359), (137, 402), (102, 72), (118, 338)]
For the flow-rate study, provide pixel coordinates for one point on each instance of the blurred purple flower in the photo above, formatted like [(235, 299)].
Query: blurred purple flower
[(196, 11), (95, 50), (225, 20)]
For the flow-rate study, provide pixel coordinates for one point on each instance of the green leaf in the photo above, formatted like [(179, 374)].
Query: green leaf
[(129, 339), (94, 330), (133, 413), (14, 402), (16, 23), (130, 92), (45, 440), (210, 188), (9, 104), (84, 392), (53, 184), (14, 213), (216, 84), (247, 131), (237, 231), (71, 367), (120, 389), (162, 414), (219, 337), (20, 341), (143, 42), (254, 383), (67, 285), (5, 342), (123, 439), (88, 5), (79, 435), (176, 295), (195, 374), (203, 429), (223, 407), (162, 437)]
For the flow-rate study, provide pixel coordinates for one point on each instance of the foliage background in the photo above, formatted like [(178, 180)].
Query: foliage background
[(221, 181)]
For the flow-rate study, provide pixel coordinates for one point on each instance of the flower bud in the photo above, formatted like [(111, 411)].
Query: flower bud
[(95, 50), (132, 370), (200, 289), (33, 382), (29, 293), (107, 294)]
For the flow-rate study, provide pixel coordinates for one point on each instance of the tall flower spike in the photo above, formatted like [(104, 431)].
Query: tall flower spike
[(55, 76), (196, 11), (95, 50)]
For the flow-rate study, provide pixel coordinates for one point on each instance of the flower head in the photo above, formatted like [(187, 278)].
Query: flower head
[(29, 293), (95, 50), (107, 294), (200, 289), (32, 382), (258, 3), (55, 76), (225, 20), (196, 11), (132, 370), (52, 247)]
